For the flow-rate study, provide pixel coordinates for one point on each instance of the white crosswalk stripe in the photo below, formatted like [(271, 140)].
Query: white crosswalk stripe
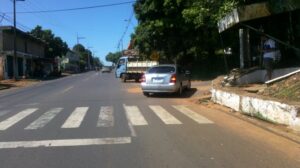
[(135, 116), (44, 119), (106, 118), (16, 118), (75, 118), (193, 115), (165, 116)]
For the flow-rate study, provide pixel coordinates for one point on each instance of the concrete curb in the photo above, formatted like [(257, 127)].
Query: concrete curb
[(264, 109)]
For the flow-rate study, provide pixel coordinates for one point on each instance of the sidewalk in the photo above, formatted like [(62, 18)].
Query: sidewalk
[(203, 98), (11, 84)]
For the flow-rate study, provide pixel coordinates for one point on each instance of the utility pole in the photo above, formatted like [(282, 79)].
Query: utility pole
[(15, 45), (15, 59), (78, 38)]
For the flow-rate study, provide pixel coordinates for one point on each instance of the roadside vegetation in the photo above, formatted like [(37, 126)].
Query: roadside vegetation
[(57, 47), (288, 89), (186, 32)]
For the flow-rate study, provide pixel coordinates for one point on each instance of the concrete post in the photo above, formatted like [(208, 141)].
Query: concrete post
[(242, 48)]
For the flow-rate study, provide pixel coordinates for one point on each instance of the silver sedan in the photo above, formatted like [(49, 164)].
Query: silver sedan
[(165, 79)]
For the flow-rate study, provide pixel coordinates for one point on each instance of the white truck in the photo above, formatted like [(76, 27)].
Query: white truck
[(129, 68)]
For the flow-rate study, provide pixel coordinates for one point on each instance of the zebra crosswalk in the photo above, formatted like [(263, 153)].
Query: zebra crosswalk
[(106, 116)]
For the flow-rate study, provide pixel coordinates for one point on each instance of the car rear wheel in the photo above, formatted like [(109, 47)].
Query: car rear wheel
[(146, 94), (179, 92), (188, 87)]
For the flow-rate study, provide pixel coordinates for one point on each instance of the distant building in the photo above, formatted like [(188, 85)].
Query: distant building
[(30, 52), (70, 62)]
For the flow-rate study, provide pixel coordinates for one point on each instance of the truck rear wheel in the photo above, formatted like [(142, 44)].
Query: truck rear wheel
[(123, 78)]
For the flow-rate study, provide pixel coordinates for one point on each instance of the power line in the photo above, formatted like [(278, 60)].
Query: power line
[(79, 8), (124, 33), (20, 26)]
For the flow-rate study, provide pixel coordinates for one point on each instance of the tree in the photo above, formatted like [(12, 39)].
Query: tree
[(113, 57), (80, 49), (97, 62), (55, 45)]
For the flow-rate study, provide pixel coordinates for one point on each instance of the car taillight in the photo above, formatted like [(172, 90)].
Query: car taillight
[(173, 79), (143, 78)]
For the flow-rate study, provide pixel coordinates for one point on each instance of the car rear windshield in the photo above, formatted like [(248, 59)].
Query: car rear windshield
[(162, 69)]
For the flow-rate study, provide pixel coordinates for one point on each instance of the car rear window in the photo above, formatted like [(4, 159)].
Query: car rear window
[(162, 69)]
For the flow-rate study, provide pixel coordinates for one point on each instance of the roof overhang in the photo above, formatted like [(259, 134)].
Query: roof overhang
[(255, 11), (25, 34)]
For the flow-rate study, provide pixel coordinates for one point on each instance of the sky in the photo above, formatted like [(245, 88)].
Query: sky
[(100, 28)]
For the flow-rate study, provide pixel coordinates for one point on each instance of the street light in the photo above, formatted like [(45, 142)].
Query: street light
[(15, 42)]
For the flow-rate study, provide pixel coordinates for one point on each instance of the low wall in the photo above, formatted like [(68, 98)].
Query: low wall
[(265, 109), (259, 76)]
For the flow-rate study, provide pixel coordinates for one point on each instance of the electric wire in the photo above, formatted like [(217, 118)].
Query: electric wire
[(78, 8), (124, 33)]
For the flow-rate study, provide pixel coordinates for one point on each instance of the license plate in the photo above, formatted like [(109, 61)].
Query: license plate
[(157, 80)]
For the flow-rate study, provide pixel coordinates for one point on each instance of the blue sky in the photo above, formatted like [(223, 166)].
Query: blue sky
[(101, 28)]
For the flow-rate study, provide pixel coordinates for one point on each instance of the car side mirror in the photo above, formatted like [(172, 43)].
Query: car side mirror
[(118, 66)]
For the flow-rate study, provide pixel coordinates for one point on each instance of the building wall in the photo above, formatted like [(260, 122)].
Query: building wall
[(24, 45), (2, 65), (28, 48), (35, 49)]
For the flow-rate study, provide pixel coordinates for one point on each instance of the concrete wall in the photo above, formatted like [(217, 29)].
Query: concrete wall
[(24, 45), (265, 109), (259, 76)]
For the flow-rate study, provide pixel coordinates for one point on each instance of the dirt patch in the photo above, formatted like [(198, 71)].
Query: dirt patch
[(134, 90), (7, 84), (287, 89)]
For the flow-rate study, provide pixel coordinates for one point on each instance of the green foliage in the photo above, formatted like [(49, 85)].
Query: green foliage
[(97, 62), (55, 45), (113, 57), (85, 55), (182, 30)]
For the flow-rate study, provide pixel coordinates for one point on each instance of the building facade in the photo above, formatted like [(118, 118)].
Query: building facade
[(30, 52)]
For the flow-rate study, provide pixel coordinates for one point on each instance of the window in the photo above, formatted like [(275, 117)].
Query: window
[(162, 69)]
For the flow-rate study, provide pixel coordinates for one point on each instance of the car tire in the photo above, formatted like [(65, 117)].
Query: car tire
[(180, 90), (189, 85), (146, 94)]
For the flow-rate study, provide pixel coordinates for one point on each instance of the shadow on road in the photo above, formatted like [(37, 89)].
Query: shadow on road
[(6, 86), (186, 94)]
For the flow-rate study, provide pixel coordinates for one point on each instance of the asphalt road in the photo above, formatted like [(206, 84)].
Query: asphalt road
[(93, 120)]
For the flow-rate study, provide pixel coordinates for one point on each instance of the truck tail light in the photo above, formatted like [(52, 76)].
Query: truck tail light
[(173, 78)]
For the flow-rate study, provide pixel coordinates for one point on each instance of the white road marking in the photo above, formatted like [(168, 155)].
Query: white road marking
[(44, 119), (193, 115), (106, 118), (65, 142), (75, 118), (16, 118), (131, 128), (135, 116), (67, 89), (165, 116)]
